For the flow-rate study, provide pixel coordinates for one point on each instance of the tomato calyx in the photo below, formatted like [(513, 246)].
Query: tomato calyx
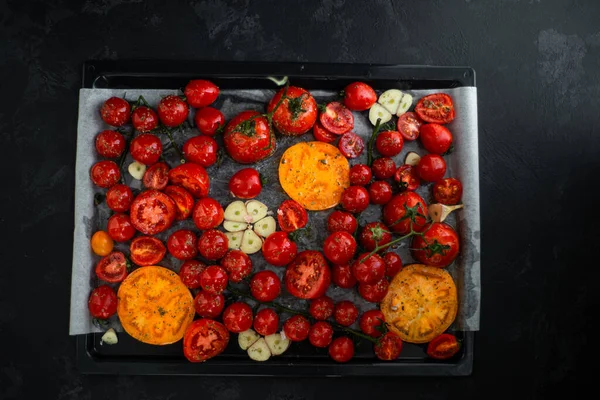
[(435, 248), (167, 131), (377, 233), (410, 213), (295, 106), (300, 233)]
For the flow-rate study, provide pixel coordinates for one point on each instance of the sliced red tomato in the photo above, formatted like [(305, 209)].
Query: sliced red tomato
[(308, 275), (351, 145), (157, 176), (184, 201), (443, 347), (152, 212), (291, 216), (322, 134), (146, 250), (437, 108), (388, 347), (192, 177), (204, 339), (407, 178), (337, 119), (112, 268), (446, 191), (409, 125)]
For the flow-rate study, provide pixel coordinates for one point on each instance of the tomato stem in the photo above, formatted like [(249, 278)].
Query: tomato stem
[(371, 141), (173, 144)]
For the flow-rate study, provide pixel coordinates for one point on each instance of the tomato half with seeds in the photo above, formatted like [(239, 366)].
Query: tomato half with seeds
[(320, 334), (339, 247), (291, 216), (266, 322), (393, 264), (308, 275), (407, 178), (341, 349), (431, 167), (371, 323), (436, 138), (345, 313), (296, 114), (146, 250), (204, 339), (120, 228), (103, 302), (192, 177), (245, 184), (213, 244), (265, 286), (105, 174), (208, 213), (172, 111), (237, 264), (358, 96), (389, 347), (214, 279), (341, 221), (368, 268), (443, 347), (146, 148), (182, 244), (336, 118), (380, 192), (112, 268), (119, 198), (144, 119), (296, 328), (360, 175), (190, 272), (209, 121), (115, 111), (342, 276), (374, 234), (447, 191), (278, 249), (322, 134), (157, 176), (351, 145), (438, 246), (389, 143), (409, 125), (321, 308), (201, 150), (437, 108), (110, 144), (375, 292), (248, 138), (383, 168), (355, 199), (237, 317), (209, 305), (200, 93), (184, 202), (403, 210), (152, 212)]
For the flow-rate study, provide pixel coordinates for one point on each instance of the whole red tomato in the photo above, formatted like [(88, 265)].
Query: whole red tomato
[(360, 175), (436, 139), (213, 244), (200, 93), (245, 184), (182, 244), (190, 272), (371, 323), (341, 221), (383, 168), (214, 279), (355, 199), (345, 313), (447, 191), (110, 144), (368, 268), (342, 276), (431, 167), (204, 339), (375, 292), (105, 174), (393, 264), (266, 322), (201, 150), (152, 212), (112, 268), (359, 96), (437, 108), (407, 177), (146, 148), (265, 286), (119, 228), (119, 198), (388, 347), (237, 264), (183, 200), (172, 111), (320, 334), (248, 138), (157, 176), (389, 143), (103, 302), (237, 317), (308, 275), (278, 249), (321, 308), (339, 247), (192, 177), (403, 210), (209, 305), (115, 111), (438, 247), (208, 213), (380, 192), (209, 121), (144, 119), (296, 328), (296, 114), (374, 234), (443, 347), (341, 349)]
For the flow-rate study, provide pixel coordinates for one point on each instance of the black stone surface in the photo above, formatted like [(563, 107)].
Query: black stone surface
[(539, 99)]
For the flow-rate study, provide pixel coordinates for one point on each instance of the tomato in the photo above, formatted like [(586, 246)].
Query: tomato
[(358, 96), (119, 198), (291, 216), (341, 221), (245, 184), (388, 347), (393, 264), (237, 264), (182, 244), (146, 148), (192, 177), (375, 292), (266, 322), (278, 249), (383, 168), (337, 119), (321, 308), (209, 305), (360, 175), (102, 244), (322, 134), (443, 347), (351, 145), (389, 143), (308, 275), (110, 144), (201, 150), (120, 228), (237, 317), (204, 339), (380, 192), (200, 93), (190, 272), (431, 167), (296, 328), (115, 111), (208, 213), (157, 176), (409, 125), (436, 139), (447, 191), (112, 268), (248, 138), (406, 176), (341, 349), (213, 244), (368, 269), (438, 247), (355, 199), (320, 334), (152, 212), (339, 247), (105, 174), (265, 286), (437, 108), (374, 234), (371, 322), (144, 119), (209, 121), (403, 210), (183, 201), (103, 302), (172, 111), (342, 276), (345, 313), (213, 279), (296, 114), (146, 250)]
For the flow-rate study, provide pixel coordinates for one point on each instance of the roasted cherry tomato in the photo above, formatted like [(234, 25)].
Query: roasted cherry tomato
[(438, 246), (110, 144), (182, 244), (278, 249), (341, 349), (245, 184), (351, 145), (446, 191), (201, 150), (119, 228), (265, 286), (393, 264), (375, 292), (192, 177), (146, 250), (409, 125), (119, 198), (443, 347), (209, 121), (321, 308), (371, 323), (308, 275), (172, 111), (341, 221), (291, 216), (237, 264), (431, 167), (388, 347), (184, 202), (237, 317), (152, 212), (105, 174), (103, 302), (213, 244), (320, 334), (204, 339), (146, 148), (214, 279), (144, 119), (389, 143), (436, 138), (209, 305), (157, 176), (380, 192), (248, 138), (266, 322), (102, 244), (355, 199), (190, 272), (339, 247), (337, 119), (345, 313), (374, 234), (360, 175), (112, 268), (383, 167), (296, 328), (437, 108), (208, 213), (115, 111), (368, 268), (296, 114), (407, 178), (359, 96), (342, 276), (322, 134), (200, 93), (405, 209)]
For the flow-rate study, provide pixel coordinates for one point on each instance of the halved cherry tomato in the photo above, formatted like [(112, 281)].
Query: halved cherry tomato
[(157, 176), (190, 273), (237, 264), (296, 328), (204, 339), (380, 192), (388, 347), (183, 200), (345, 313), (103, 302), (359, 96), (105, 174), (296, 114), (351, 145), (112, 268), (266, 322), (245, 184), (389, 143), (291, 216), (102, 244), (248, 138), (209, 121), (409, 125), (339, 247), (115, 111), (437, 108), (371, 323), (360, 175), (375, 292), (182, 244), (146, 148), (110, 144), (320, 334), (403, 210), (407, 178), (209, 305), (341, 349), (383, 167), (146, 250), (393, 264), (342, 276), (438, 246), (322, 134), (265, 286), (308, 275), (208, 213), (446, 191), (152, 212), (192, 177), (436, 138), (144, 119), (355, 199), (172, 111), (443, 347), (120, 228), (337, 119), (119, 198), (431, 167), (368, 268), (321, 308), (200, 93), (278, 249), (237, 317), (213, 244), (201, 150), (374, 234), (341, 221), (214, 279)]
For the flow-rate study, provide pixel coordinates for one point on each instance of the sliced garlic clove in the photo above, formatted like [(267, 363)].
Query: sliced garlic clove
[(405, 104), (259, 351), (233, 226), (236, 212), (277, 343), (136, 170), (256, 210), (378, 112), (234, 239), (439, 212), (247, 339), (412, 158), (251, 242), (265, 226), (390, 100), (109, 337)]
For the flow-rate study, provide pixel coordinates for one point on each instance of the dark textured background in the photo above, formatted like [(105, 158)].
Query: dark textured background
[(538, 66)]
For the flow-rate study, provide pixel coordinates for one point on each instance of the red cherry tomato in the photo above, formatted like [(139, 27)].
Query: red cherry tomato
[(446, 191), (192, 177), (341, 221), (308, 275), (245, 184), (431, 167), (237, 317), (265, 286), (337, 119), (360, 175), (214, 279), (443, 347), (351, 145), (291, 216), (157, 176), (321, 308), (393, 264), (345, 313), (339, 247), (119, 198), (368, 269), (375, 292), (407, 177), (119, 228), (320, 334), (201, 150), (110, 144), (200, 93), (438, 246), (144, 119), (105, 174), (322, 134), (209, 121), (208, 213), (371, 322), (388, 347), (237, 264), (190, 272), (296, 328), (204, 339), (342, 276), (403, 210), (112, 268), (115, 111), (172, 111), (355, 199), (209, 305), (182, 244), (341, 349), (146, 250), (437, 108), (359, 96), (409, 125), (266, 322), (380, 192), (249, 142), (296, 114), (213, 244), (383, 168), (374, 234), (184, 202), (103, 302), (152, 212), (278, 249), (436, 139), (146, 148), (389, 143)]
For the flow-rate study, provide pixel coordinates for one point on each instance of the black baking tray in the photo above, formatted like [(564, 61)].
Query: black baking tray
[(136, 358)]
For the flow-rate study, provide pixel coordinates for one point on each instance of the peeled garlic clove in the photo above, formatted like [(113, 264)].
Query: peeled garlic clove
[(439, 212), (251, 242), (259, 351), (256, 210), (236, 212), (378, 112), (390, 100), (247, 338), (265, 226), (136, 170), (234, 239), (405, 104), (109, 337), (233, 226), (412, 158), (277, 343)]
